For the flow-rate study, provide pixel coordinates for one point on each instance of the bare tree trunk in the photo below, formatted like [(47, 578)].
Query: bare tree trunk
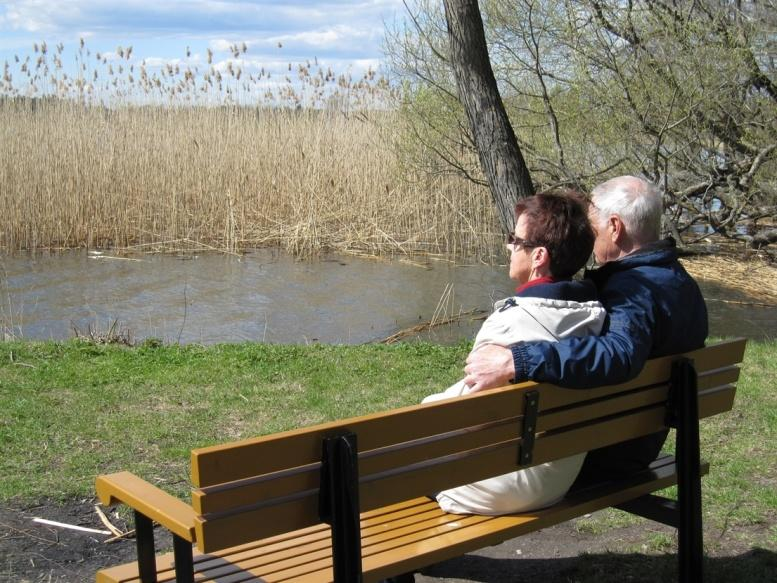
[(500, 157)]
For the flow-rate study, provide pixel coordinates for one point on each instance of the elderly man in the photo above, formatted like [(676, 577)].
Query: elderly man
[(654, 308)]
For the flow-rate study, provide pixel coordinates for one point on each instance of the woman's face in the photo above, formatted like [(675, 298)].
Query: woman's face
[(520, 256)]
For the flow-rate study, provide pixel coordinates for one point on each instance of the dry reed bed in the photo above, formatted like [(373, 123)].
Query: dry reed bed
[(754, 278), (227, 177)]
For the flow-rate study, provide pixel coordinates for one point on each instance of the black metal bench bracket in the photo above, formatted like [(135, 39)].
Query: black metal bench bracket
[(338, 505), (529, 427), (184, 560)]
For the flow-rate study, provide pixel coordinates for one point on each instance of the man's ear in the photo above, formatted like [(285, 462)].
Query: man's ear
[(617, 228)]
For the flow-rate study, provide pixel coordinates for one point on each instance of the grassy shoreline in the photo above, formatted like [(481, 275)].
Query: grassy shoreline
[(71, 410)]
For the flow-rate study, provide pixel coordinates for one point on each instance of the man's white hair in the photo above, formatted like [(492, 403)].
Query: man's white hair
[(636, 201)]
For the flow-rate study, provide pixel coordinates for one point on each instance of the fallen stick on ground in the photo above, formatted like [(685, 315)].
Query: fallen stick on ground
[(70, 526), (106, 522), (120, 536), (476, 314)]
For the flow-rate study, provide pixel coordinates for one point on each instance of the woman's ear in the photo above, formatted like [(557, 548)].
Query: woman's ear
[(540, 258)]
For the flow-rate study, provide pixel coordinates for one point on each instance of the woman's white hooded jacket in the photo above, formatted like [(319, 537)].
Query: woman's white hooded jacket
[(547, 311)]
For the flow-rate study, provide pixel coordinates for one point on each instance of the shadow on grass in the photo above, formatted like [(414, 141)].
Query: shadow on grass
[(754, 566)]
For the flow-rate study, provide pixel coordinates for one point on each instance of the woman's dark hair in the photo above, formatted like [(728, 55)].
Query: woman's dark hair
[(558, 220)]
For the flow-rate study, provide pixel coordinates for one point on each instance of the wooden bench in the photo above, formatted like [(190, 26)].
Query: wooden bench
[(261, 508)]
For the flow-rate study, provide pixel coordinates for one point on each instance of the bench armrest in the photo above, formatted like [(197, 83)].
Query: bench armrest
[(126, 488)]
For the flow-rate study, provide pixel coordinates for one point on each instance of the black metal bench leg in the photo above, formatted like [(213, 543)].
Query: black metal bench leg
[(144, 538), (690, 550), (184, 562)]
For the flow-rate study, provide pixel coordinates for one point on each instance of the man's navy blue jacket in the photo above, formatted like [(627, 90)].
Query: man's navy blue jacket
[(654, 308)]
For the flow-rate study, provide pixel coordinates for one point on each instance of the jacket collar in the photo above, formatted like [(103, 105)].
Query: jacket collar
[(565, 289), (532, 283), (660, 252)]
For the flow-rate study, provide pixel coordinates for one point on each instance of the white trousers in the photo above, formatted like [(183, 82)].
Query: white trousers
[(519, 491)]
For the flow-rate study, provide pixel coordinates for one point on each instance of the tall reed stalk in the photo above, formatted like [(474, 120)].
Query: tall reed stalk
[(157, 166)]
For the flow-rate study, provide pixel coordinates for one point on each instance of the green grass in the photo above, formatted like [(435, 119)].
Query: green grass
[(70, 411), (741, 446), (741, 487)]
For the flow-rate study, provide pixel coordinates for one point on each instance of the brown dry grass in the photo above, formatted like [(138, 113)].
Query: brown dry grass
[(754, 277), (209, 159), (113, 152), (229, 177)]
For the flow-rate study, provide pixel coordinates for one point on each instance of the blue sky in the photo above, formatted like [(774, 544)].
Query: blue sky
[(345, 35)]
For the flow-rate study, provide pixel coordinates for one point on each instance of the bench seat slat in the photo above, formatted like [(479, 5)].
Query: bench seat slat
[(400, 511), (303, 557), (426, 548), (308, 551)]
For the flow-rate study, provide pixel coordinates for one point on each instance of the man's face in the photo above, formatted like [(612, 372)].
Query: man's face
[(603, 246)]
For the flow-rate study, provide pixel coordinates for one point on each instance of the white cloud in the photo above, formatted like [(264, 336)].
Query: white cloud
[(30, 15), (342, 31), (189, 15), (304, 44), (336, 35), (156, 62), (220, 45)]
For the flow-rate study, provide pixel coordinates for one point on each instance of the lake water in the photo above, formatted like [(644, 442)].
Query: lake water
[(268, 296)]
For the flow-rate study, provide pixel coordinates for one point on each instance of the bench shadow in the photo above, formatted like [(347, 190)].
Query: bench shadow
[(756, 565)]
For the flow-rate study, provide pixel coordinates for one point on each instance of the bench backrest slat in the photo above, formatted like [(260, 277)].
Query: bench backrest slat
[(421, 449), (291, 512), (231, 495), (251, 457), (620, 428), (594, 408), (722, 355)]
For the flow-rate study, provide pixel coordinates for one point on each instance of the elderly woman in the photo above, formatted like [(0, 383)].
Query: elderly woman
[(552, 241)]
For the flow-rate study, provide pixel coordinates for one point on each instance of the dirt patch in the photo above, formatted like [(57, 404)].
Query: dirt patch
[(32, 552)]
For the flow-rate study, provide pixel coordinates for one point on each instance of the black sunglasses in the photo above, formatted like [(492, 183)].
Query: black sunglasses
[(516, 242)]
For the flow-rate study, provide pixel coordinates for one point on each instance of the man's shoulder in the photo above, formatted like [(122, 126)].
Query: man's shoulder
[(657, 281), (657, 262)]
